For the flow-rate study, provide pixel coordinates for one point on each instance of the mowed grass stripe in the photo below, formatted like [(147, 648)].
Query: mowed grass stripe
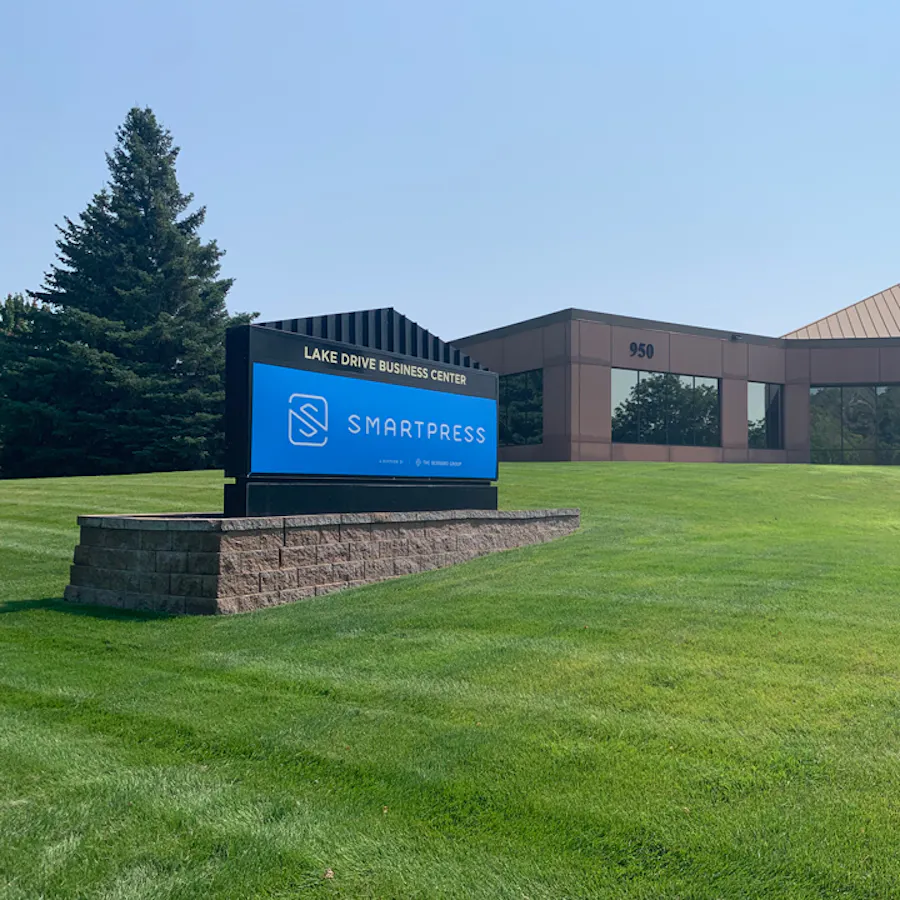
[(695, 696)]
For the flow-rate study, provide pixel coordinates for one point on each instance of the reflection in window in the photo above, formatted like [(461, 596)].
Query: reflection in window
[(656, 408), (764, 416), (855, 424), (626, 415), (887, 425), (522, 408)]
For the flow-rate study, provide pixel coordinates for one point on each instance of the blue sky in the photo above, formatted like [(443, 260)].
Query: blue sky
[(478, 162)]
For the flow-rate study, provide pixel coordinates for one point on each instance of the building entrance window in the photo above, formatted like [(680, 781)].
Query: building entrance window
[(855, 424)]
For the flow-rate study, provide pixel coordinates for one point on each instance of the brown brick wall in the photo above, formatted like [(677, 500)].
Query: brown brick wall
[(209, 564)]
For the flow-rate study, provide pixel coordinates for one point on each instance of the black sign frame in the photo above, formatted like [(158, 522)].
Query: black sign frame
[(287, 494)]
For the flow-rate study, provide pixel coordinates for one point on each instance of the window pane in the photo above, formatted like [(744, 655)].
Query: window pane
[(522, 408), (764, 416), (706, 412), (888, 425), (682, 410), (858, 417), (756, 415), (654, 390), (825, 419), (625, 406), (774, 416)]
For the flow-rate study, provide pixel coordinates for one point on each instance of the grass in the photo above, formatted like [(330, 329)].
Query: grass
[(696, 696)]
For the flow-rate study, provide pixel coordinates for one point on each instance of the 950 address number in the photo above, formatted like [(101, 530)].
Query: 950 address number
[(642, 351)]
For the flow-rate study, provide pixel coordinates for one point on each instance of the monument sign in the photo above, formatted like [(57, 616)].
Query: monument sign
[(321, 426)]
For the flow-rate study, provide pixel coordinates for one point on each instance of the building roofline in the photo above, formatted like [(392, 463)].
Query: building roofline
[(887, 316), (573, 314)]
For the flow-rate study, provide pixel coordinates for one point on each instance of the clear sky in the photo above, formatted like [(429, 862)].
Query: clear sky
[(477, 162)]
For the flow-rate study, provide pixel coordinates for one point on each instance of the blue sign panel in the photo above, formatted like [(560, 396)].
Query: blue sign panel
[(312, 423)]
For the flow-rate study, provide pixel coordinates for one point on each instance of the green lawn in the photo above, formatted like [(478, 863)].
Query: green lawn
[(696, 696)]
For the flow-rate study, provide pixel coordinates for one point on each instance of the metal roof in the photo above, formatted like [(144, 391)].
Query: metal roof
[(877, 316)]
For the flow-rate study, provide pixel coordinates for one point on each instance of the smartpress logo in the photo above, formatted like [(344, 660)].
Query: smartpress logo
[(307, 420)]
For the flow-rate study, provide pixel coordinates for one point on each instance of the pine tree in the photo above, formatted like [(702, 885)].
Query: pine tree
[(14, 314), (122, 367)]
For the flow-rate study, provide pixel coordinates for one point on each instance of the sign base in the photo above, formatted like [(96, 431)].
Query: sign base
[(296, 498)]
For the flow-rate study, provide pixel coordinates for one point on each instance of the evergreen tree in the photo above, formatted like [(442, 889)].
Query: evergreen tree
[(122, 368), (14, 314)]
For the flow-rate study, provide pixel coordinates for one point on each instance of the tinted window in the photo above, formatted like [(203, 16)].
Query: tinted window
[(855, 424), (825, 419), (657, 408), (625, 409), (764, 416), (522, 408)]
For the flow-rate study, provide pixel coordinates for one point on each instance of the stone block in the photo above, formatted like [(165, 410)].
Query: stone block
[(394, 517), (196, 541), (203, 563), (91, 536), (262, 600), (172, 561), (297, 593), (451, 528), (249, 561), (384, 531), (295, 557), (153, 583), (89, 556), (314, 575), (312, 534), (477, 545), (365, 549), (438, 516), (120, 539), (250, 525), (152, 540), (237, 584), (421, 542), (94, 596), (84, 576), (390, 549), (193, 585), (408, 566), (280, 580), (349, 571), (322, 589), (446, 544), (109, 558), (316, 521), (357, 518), (456, 557), (377, 569), (242, 542), (239, 603), (181, 522), (356, 533), (332, 552)]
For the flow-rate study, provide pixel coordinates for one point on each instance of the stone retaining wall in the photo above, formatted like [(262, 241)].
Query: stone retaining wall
[(203, 564)]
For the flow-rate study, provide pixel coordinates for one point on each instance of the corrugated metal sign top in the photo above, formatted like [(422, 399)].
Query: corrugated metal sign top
[(378, 329)]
